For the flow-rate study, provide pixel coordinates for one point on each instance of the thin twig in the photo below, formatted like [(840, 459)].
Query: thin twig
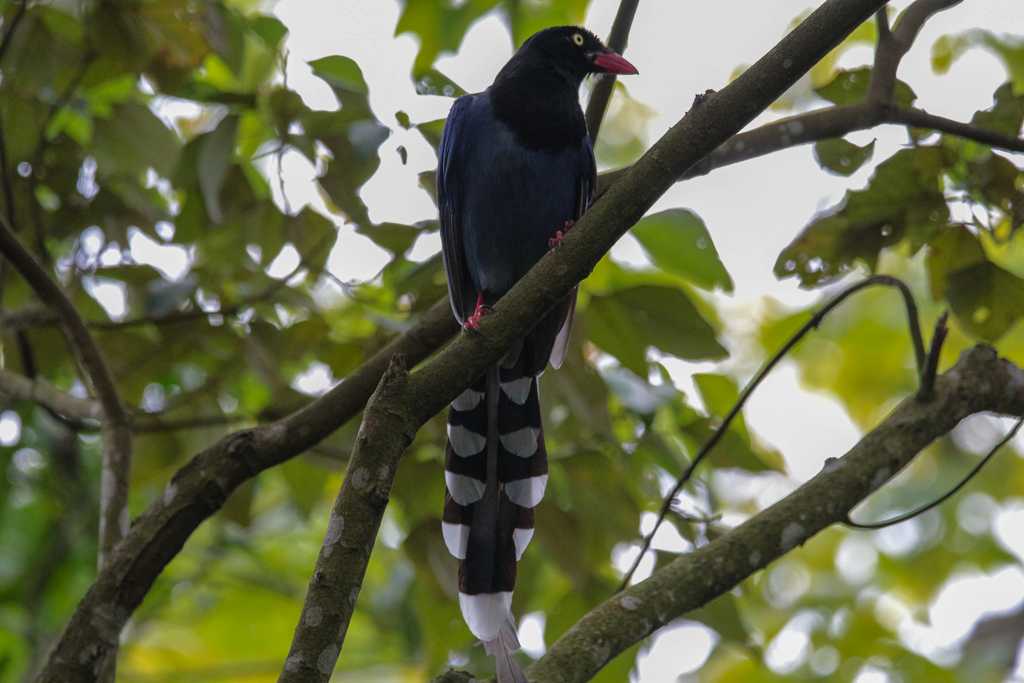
[(931, 366), (893, 45), (40, 150), (748, 390), (922, 119), (898, 519), (5, 42), (602, 91)]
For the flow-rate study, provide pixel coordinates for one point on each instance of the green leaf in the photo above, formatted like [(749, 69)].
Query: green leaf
[(341, 73), (627, 322), (636, 394), (986, 299), (394, 237), (440, 26), (1008, 48), (270, 29), (842, 157), (903, 201), (132, 140), (678, 241), (851, 87), (432, 131), (305, 482), (216, 152), (1006, 114), (433, 82), (312, 235), (720, 393)]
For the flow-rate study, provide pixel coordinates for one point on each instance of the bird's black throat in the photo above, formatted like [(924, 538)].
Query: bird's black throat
[(541, 106)]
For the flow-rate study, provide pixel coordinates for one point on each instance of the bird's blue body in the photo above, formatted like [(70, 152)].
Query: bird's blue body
[(515, 166), (509, 197)]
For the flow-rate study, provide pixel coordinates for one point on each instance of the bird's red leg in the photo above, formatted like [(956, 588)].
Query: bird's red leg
[(560, 234), (482, 309)]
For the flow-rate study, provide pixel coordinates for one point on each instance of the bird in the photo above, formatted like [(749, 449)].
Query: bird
[(515, 170)]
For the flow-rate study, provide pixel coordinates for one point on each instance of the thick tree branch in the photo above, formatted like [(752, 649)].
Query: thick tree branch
[(980, 381), (602, 91), (117, 438), (355, 518), (199, 489)]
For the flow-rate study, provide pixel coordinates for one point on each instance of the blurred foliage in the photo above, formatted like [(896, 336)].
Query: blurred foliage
[(151, 126)]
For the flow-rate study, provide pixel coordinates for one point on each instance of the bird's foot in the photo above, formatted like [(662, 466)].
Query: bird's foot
[(560, 235), (472, 323)]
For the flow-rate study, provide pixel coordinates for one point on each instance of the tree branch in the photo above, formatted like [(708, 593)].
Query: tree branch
[(980, 381), (385, 433), (822, 124), (602, 91), (893, 45), (117, 439), (20, 388)]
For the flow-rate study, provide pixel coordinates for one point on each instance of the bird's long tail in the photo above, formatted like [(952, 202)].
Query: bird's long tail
[(496, 471)]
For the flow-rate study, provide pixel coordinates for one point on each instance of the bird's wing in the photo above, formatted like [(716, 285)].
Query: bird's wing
[(449, 191), (585, 193)]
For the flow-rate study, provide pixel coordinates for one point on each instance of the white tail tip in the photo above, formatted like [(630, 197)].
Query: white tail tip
[(486, 613)]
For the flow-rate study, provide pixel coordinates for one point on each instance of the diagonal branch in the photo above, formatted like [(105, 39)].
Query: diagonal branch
[(355, 518), (980, 381), (117, 439)]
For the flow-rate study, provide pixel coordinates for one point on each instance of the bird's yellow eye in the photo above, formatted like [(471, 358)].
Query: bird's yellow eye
[(578, 39)]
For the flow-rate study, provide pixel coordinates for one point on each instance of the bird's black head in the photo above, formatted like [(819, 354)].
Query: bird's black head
[(572, 51)]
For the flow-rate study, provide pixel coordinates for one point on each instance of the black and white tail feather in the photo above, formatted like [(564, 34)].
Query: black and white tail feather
[(496, 472)]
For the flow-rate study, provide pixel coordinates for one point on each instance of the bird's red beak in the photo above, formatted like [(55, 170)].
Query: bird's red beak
[(613, 63)]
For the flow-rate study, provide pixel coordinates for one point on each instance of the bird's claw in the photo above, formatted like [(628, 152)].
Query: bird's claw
[(560, 235), (472, 323)]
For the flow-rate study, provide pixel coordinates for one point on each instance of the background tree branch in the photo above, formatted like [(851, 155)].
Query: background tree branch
[(20, 388), (980, 381), (117, 439)]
